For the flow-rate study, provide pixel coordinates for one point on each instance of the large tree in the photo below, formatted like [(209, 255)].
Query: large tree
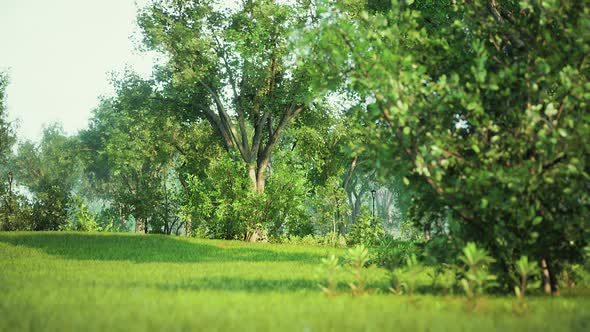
[(138, 156), (234, 68), (128, 153), (50, 171), (8, 202), (485, 106)]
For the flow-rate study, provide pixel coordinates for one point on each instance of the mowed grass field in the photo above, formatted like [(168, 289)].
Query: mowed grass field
[(123, 282)]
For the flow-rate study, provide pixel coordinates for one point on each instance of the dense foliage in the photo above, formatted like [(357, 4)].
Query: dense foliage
[(484, 110)]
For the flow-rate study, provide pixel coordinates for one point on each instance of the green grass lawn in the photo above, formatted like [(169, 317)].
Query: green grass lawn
[(110, 282)]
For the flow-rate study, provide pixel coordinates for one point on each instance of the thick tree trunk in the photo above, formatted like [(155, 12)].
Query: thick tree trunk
[(257, 177), (260, 184), (262, 165), (140, 226), (252, 175), (547, 277), (256, 173), (188, 226)]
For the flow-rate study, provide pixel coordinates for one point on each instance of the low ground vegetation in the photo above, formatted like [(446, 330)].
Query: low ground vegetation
[(124, 281)]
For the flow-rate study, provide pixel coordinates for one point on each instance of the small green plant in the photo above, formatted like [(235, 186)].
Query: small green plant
[(435, 275), (404, 281), (397, 282), (358, 258), (448, 280), (330, 267), (413, 269), (477, 279), (80, 217), (525, 270)]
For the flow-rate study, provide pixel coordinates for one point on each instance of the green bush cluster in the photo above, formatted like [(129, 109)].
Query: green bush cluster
[(80, 218), (16, 213), (470, 270), (392, 253), (224, 206), (366, 231)]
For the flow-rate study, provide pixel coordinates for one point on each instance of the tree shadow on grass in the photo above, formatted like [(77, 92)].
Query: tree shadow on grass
[(231, 284), (144, 249)]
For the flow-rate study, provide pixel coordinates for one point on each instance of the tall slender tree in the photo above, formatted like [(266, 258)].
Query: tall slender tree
[(6, 133)]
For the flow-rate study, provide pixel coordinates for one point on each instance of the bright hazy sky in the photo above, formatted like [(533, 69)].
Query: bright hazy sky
[(59, 53)]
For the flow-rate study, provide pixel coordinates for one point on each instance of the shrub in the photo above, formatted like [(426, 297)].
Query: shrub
[(575, 274), (365, 231), (16, 213), (287, 200), (476, 279), (358, 257), (330, 268), (392, 253), (80, 218), (215, 200), (223, 205), (525, 270)]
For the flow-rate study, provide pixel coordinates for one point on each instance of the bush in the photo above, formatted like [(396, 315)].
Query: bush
[(80, 218), (287, 200), (574, 274), (477, 278), (223, 205), (110, 220), (392, 254), (443, 250), (16, 213), (365, 231)]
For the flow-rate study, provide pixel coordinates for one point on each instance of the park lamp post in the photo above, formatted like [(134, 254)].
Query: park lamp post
[(373, 192)]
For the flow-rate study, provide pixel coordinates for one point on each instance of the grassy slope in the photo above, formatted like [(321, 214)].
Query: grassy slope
[(74, 281)]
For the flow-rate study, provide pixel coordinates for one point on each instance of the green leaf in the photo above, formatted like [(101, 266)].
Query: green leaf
[(406, 181), (484, 203), (550, 110)]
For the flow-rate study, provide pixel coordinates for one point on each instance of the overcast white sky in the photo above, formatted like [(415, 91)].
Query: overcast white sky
[(58, 54)]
